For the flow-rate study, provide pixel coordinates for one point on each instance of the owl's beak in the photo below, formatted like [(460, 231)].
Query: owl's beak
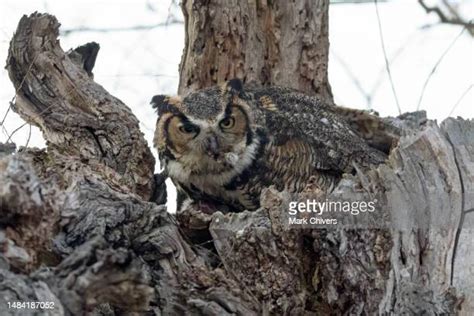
[(212, 147)]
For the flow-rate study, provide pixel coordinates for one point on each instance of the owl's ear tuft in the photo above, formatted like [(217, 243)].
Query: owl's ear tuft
[(235, 85), (160, 103)]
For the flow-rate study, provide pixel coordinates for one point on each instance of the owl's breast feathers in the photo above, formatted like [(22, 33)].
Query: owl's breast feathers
[(241, 190)]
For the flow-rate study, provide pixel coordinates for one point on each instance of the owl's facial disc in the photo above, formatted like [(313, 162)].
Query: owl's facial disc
[(209, 146), (225, 134)]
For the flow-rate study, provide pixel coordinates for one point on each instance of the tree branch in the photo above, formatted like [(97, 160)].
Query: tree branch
[(448, 20)]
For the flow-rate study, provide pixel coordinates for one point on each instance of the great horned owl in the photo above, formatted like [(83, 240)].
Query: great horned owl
[(226, 143)]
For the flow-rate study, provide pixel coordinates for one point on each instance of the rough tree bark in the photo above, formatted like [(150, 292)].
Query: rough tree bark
[(269, 42), (76, 228)]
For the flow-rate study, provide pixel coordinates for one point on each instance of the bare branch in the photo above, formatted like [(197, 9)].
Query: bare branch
[(83, 29), (460, 99), (354, 79), (3, 121), (433, 70), (29, 136), (398, 52), (387, 64), (456, 19)]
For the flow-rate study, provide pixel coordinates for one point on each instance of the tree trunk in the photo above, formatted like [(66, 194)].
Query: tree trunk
[(77, 228), (269, 42), (286, 43)]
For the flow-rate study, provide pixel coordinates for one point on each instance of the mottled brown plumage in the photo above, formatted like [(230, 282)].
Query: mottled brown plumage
[(225, 144)]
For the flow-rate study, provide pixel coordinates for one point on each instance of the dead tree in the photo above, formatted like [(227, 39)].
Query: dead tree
[(77, 228)]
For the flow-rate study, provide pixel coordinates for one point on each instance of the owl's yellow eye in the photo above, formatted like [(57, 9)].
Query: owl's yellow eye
[(227, 122), (188, 128)]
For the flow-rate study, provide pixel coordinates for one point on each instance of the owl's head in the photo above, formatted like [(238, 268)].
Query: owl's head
[(210, 131)]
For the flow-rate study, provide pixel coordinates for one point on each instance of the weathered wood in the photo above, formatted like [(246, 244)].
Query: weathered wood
[(25, 202), (76, 115), (269, 42), (460, 135)]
